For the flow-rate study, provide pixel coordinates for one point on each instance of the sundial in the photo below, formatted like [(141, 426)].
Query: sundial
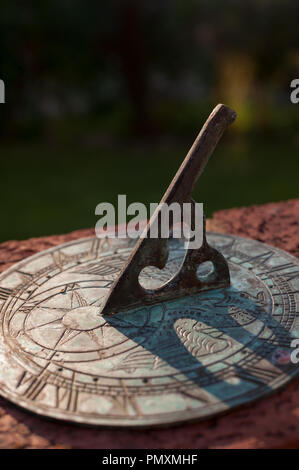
[(115, 333)]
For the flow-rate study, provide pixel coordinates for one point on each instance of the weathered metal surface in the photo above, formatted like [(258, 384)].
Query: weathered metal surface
[(167, 363), (126, 292)]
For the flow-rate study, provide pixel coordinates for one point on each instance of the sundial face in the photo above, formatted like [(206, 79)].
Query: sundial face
[(159, 364)]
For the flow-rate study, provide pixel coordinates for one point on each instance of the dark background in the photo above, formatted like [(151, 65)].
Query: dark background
[(105, 98)]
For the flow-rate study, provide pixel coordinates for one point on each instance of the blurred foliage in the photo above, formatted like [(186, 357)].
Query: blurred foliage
[(104, 98)]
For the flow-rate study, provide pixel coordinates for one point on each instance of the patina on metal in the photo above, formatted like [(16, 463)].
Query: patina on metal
[(156, 364), (127, 292)]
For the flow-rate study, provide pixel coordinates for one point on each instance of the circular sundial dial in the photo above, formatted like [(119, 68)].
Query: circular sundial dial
[(165, 363)]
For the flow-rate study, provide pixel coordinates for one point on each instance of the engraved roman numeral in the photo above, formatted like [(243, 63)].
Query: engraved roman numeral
[(95, 247), (256, 374), (67, 398), (288, 275), (293, 275), (59, 259), (127, 402), (35, 385), (5, 293), (228, 247), (282, 341), (260, 260)]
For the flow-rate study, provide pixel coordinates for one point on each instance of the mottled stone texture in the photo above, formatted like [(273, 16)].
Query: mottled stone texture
[(270, 423), (276, 223)]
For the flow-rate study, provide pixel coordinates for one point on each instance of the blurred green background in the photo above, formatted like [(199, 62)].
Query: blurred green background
[(105, 98)]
